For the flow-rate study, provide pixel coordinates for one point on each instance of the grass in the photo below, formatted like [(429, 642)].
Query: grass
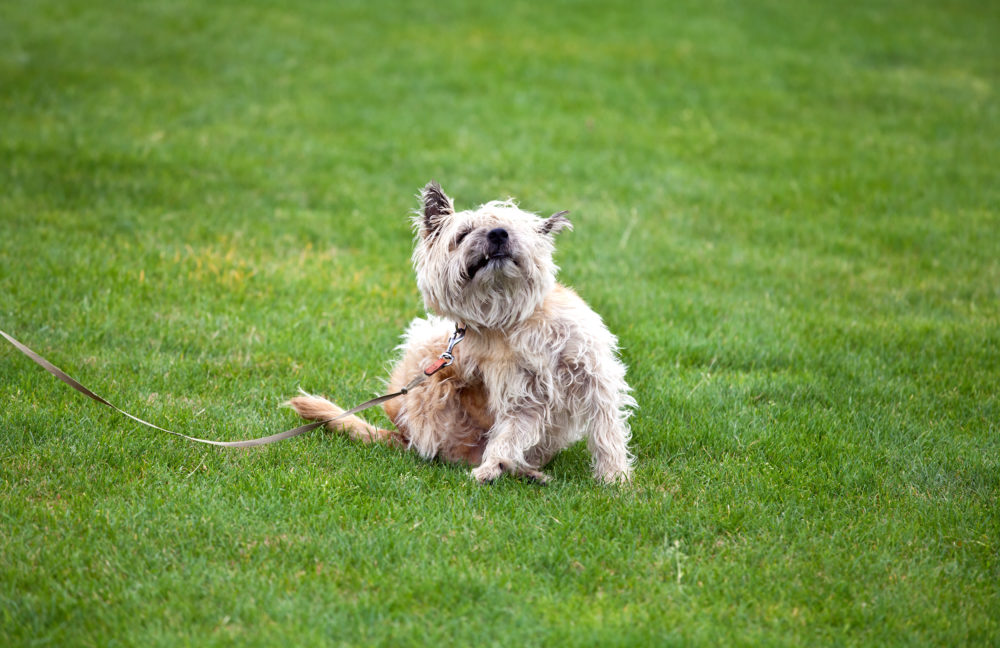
[(787, 212)]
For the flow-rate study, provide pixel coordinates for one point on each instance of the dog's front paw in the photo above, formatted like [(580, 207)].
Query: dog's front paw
[(536, 476), (488, 472)]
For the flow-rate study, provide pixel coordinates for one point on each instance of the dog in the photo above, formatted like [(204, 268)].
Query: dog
[(537, 371)]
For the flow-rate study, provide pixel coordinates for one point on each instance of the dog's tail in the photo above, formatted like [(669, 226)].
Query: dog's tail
[(314, 408)]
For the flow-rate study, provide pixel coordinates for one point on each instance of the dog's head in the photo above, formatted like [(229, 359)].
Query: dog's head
[(490, 267)]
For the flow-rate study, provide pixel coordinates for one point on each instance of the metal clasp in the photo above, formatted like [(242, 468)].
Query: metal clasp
[(456, 337), (446, 358)]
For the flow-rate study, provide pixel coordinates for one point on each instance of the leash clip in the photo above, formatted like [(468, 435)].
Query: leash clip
[(456, 337), (446, 358)]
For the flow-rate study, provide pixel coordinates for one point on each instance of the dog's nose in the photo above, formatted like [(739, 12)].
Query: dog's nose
[(497, 236)]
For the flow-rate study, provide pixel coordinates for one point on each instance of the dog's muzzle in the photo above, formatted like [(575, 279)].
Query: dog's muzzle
[(497, 251)]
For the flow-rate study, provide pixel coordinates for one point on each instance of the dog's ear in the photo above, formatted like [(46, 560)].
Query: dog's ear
[(555, 223), (436, 207)]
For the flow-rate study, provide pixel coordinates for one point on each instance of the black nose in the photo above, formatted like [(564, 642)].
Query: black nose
[(497, 236)]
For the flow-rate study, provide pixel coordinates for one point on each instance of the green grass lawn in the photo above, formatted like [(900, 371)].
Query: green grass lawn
[(788, 212)]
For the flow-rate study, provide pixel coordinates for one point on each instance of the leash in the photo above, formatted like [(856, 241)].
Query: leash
[(444, 360)]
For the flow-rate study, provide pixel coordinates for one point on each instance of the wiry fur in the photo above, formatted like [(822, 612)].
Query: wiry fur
[(537, 371)]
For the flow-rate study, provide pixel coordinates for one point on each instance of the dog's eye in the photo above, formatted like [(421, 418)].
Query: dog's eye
[(461, 237)]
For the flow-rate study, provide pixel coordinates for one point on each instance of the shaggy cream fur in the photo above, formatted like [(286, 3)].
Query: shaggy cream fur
[(538, 369)]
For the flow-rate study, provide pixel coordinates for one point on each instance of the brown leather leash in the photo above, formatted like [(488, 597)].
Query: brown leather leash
[(443, 361)]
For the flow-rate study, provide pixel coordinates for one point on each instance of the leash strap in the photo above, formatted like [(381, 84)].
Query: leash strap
[(273, 438)]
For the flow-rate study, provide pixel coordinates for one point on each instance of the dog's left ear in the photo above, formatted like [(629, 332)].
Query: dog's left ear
[(436, 207), (555, 223)]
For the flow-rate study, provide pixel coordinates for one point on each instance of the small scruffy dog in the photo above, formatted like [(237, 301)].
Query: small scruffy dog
[(537, 371)]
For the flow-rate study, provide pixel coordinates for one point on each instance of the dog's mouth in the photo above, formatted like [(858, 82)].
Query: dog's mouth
[(489, 260)]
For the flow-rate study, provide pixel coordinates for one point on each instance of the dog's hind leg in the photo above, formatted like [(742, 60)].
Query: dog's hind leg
[(315, 408), (509, 446)]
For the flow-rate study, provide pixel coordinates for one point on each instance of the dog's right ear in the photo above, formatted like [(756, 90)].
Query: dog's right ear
[(556, 223), (436, 207)]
